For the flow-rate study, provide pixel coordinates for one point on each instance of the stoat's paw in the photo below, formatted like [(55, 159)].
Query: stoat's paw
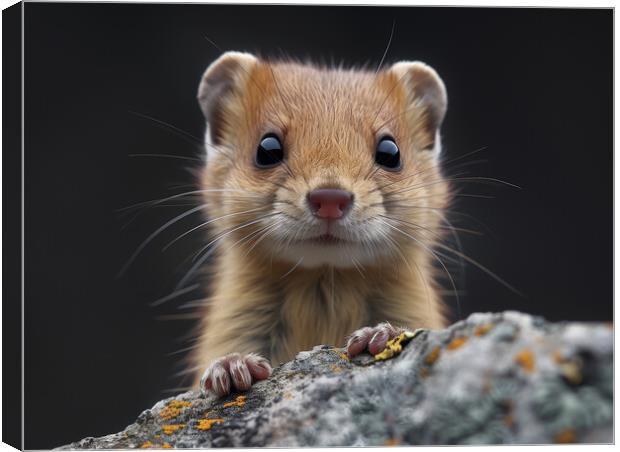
[(234, 372), (373, 339)]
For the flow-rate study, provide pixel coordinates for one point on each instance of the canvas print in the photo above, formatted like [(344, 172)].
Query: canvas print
[(315, 226)]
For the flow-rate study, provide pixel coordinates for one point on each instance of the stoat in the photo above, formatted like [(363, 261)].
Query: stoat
[(325, 199)]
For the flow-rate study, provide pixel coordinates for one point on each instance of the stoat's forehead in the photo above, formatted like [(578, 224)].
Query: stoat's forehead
[(330, 98), (325, 116)]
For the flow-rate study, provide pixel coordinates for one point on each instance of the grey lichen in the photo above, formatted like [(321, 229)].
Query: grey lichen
[(490, 379)]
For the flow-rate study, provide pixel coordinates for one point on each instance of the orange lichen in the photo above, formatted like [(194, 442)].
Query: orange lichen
[(483, 329), (146, 445), (525, 358), (433, 356), (424, 372), (457, 342), (395, 345), (171, 428), (173, 409), (391, 442), (566, 436), (335, 368), (571, 371), (239, 401), (166, 446), (343, 356), (206, 424)]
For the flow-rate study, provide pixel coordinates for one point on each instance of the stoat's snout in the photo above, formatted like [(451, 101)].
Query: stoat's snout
[(337, 223), (330, 203), (330, 207)]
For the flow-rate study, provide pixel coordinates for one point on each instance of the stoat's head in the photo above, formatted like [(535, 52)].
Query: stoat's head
[(320, 166)]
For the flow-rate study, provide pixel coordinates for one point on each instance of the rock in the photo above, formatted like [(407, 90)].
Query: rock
[(489, 379)]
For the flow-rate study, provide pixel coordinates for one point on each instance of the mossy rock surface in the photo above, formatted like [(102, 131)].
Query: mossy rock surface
[(490, 379)]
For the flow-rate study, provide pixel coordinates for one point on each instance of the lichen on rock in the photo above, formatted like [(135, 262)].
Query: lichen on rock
[(490, 379)]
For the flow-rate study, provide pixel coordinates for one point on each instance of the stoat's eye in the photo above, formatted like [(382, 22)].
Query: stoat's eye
[(387, 154), (269, 152)]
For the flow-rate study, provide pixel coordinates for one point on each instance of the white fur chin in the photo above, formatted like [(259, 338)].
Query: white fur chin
[(316, 255)]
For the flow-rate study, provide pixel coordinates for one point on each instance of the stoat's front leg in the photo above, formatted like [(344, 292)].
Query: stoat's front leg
[(373, 339), (234, 372)]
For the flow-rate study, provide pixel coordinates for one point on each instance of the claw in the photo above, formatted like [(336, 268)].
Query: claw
[(234, 372), (372, 339)]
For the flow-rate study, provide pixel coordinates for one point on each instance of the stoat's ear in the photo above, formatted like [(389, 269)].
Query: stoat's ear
[(225, 76), (425, 89)]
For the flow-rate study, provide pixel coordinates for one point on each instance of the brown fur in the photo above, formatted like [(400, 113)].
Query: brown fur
[(330, 120)]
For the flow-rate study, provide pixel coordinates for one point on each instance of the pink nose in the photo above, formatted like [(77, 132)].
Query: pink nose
[(329, 203)]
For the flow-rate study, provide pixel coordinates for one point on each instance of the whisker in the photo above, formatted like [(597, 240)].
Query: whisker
[(483, 268), (413, 206), (417, 268), (195, 303), (402, 113), (281, 185), (442, 164), (190, 316), (184, 349), (357, 267), (472, 179), (419, 185), (208, 222), (292, 269), (266, 230), (188, 371), (137, 214), (192, 192), (385, 100), (439, 195), (387, 47), (458, 302), (166, 156), (174, 295), (180, 132), (213, 43), (371, 173), (415, 174), (440, 211), (156, 233), (235, 228), (457, 240), (463, 256), (158, 201), (467, 154), (205, 256), (413, 226)]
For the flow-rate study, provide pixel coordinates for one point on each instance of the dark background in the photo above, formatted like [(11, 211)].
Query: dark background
[(532, 86)]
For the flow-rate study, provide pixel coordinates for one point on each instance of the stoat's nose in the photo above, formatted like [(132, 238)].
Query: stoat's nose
[(330, 203)]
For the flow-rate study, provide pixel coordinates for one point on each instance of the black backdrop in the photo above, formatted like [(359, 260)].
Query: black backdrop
[(532, 86)]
